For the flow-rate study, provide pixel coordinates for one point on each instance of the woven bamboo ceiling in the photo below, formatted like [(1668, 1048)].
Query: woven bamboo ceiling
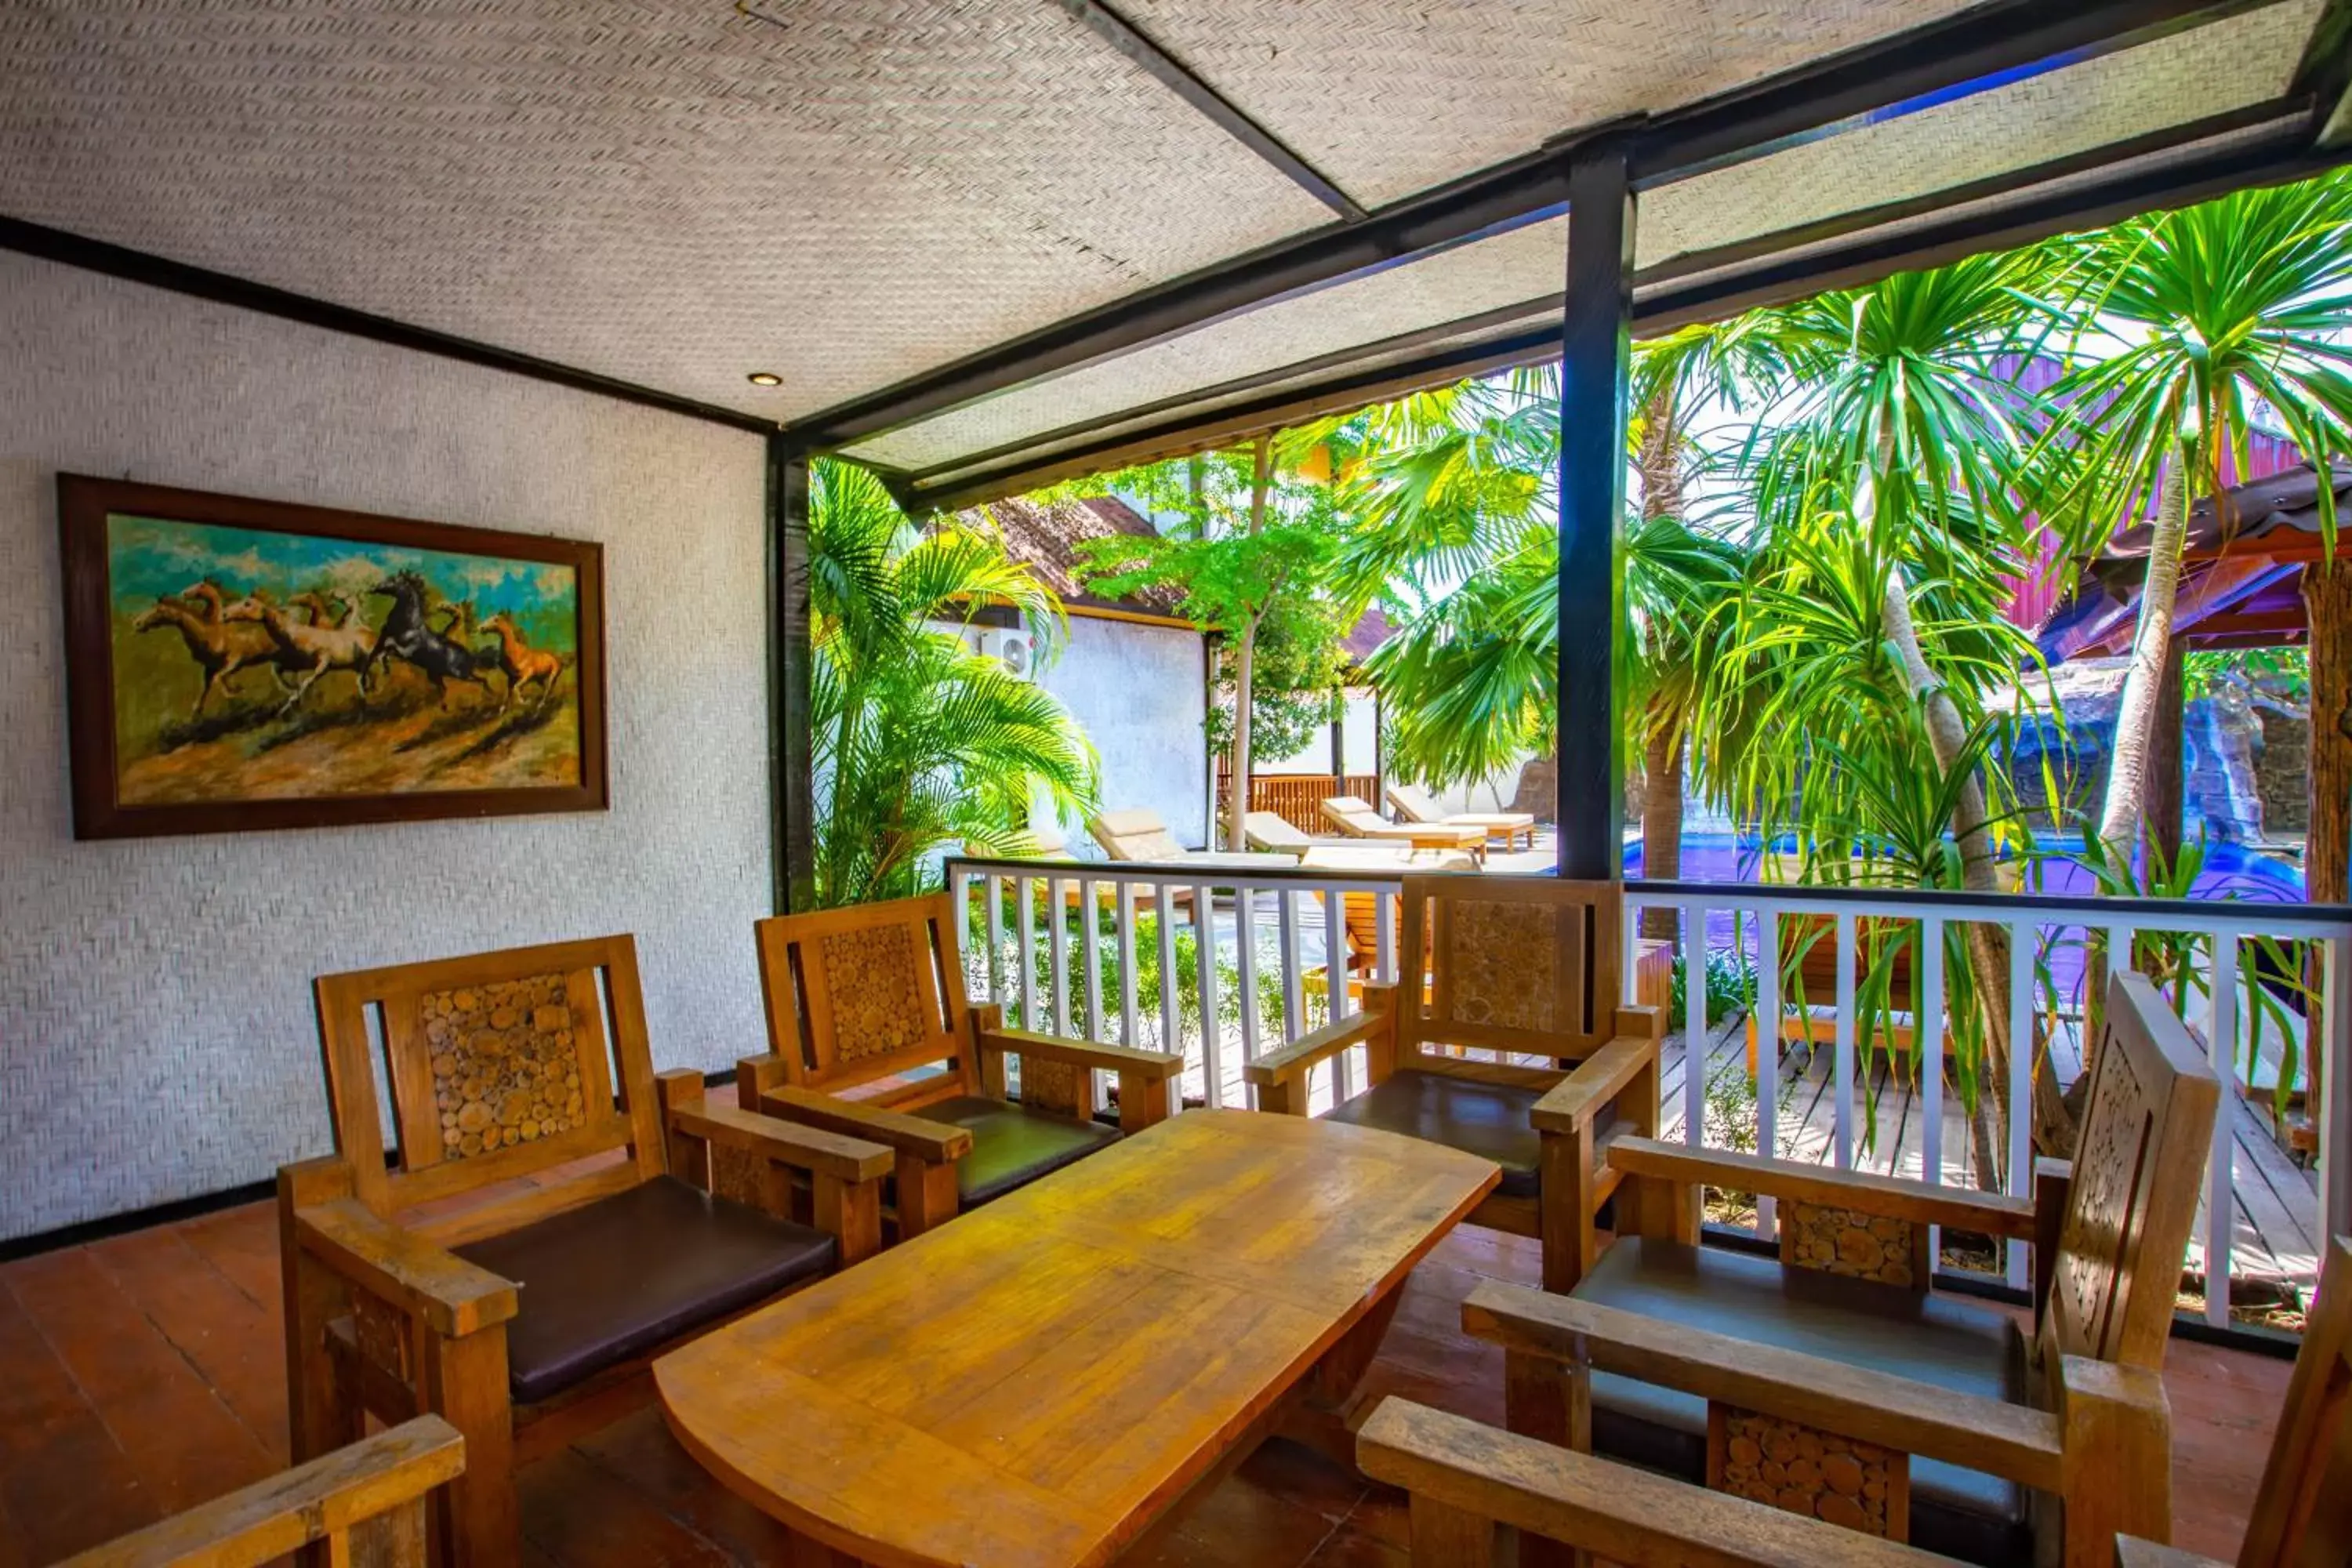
[(985, 243)]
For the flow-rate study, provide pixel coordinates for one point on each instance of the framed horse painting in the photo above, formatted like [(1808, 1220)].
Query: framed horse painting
[(236, 664)]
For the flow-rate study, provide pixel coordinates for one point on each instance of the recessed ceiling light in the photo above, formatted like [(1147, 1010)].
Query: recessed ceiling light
[(765, 378)]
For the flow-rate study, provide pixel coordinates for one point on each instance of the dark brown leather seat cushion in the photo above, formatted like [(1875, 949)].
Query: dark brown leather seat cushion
[(615, 1277), (1928, 1339), (1487, 1119), (1012, 1146)]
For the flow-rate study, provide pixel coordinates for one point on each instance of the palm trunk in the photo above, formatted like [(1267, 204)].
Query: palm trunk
[(1237, 801), (1988, 945), (1662, 820), (1658, 458), (2136, 715)]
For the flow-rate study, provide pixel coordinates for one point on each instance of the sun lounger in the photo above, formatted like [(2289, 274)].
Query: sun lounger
[(1413, 803)]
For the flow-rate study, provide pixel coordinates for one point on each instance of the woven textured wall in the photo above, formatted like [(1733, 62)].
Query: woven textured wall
[(156, 1039)]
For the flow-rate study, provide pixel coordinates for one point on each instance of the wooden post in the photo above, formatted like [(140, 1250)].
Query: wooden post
[(2161, 803), (1596, 345), (791, 742), (2327, 610)]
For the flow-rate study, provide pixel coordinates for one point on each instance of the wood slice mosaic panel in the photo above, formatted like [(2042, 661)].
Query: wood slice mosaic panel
[(506, 1065), (1851, 1243), (1054, 1086), (1822, 1475), (869, 977), (2093, 1251), (1502, 964)]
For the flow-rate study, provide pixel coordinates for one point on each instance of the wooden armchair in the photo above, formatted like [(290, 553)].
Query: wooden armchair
[(869, 1035), (1466, 1479), (1525, 972), (1834, 1383), (405, 1286), (364, 1503)]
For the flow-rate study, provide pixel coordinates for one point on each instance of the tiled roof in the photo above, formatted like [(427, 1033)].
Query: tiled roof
[(1045, 537)]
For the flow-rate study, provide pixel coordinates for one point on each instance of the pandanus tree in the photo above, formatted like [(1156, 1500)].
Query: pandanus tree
[(1902, 422), (2195, 318), (919, 740)]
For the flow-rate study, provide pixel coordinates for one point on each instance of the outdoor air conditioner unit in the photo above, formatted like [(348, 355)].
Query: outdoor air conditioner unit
[(1015, 647)]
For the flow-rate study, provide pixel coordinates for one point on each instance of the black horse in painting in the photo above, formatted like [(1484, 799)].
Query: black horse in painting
[(404, 635)]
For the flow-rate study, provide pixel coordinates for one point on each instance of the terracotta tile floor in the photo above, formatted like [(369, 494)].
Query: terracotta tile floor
[(141, 1374)]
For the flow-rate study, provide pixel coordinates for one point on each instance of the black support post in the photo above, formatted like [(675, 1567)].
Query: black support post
[(1595, 351), (791, 735)]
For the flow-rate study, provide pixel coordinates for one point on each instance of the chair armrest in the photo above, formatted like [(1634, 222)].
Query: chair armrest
[(294, 1507), (2012, 1441), (812, 1148), (1614, 1511), (1599, 1078), (1295, 1059), (1155, 1066), (454, 1296), (1887, 1197), (934, 1143), (2131, 1551), (1643, 1023)]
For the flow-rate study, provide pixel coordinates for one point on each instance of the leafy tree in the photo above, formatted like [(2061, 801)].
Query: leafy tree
[(2218, 306), (922, 742), (1250, 558)]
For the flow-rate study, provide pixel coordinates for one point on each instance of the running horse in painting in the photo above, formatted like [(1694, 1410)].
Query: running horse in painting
[(523, 663), (404, 635)]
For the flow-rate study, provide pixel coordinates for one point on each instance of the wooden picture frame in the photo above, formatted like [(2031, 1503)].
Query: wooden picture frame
[(305, 712)]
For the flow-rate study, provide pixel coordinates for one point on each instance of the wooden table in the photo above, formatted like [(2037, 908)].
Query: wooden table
[(1040, 1380)]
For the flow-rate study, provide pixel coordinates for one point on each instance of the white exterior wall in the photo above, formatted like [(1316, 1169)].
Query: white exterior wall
[(156, 1035), (1140, 692)]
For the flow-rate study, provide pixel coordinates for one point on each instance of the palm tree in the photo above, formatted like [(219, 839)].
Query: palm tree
[(2220, 306), (922, 742), (1900, 419)]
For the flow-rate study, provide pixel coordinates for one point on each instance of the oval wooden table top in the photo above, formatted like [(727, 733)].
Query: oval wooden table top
[(1031, 1384)]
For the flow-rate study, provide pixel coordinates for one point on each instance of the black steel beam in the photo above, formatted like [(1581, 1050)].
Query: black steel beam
[(1985, 41), (1211, 104), (791, 731), (203, 283), (1596, 349), (2327, 72)]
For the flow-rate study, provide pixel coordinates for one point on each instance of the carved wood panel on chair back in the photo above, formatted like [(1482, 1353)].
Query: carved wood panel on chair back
[(500, 1065), (1520, 964), (2139, 1165), (858, 994)]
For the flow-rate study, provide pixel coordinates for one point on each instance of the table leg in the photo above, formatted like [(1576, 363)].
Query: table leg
[(1320, 1414)]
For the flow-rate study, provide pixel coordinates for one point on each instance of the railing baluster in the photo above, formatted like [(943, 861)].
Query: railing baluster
[(1842, 1145), (2220, 1199), (1025, 893), (1212, 1031), (2333, 1082), (1693, 919), (1123, 920), (995, 885), (959, 895), (1385, 937), (1090, 957), (1058, 952), (1927, 1051), (1245, 965), (1172, 1034), (1294, 982), (1767, 1056), (2119, 946), (2021, 935), (1335, 940)]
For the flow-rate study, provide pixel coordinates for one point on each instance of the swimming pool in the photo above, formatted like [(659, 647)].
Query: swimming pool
[(2230, 870)]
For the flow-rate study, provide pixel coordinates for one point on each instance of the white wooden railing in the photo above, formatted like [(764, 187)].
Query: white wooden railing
[(1052, 972)]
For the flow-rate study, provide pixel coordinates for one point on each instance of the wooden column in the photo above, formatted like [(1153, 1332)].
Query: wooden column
[(2161, 802), (2327, 610), (1596, 346), (791, 735)]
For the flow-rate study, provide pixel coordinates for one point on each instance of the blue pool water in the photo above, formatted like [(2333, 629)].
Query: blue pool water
[(2230, 870)]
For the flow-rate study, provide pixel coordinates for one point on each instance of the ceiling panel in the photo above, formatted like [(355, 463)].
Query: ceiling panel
[(1521, 265), (2100, 102), (1389, 97), (670, 192)]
